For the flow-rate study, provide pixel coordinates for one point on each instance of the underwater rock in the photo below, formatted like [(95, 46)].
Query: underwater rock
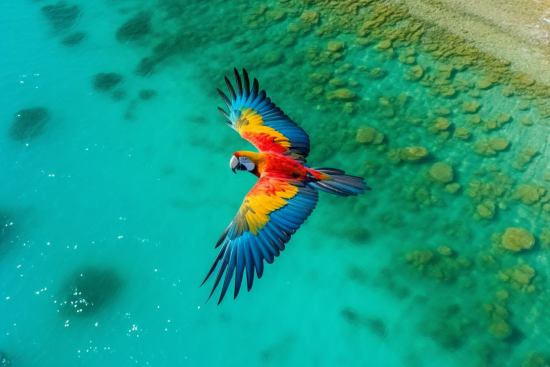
[(536, 359), (310, 17), (334, 46), (445, 250), (383, 45), (350, 315), (517, 239), (470, 107), (441, 172), (419, 259), (524, 158), (484, 84), (452, 188), (272, 58), (490, 147), (135, 28), (104, 82), (526, 121), (29, 123), (413, 154), (369, 135), (500, 329), (5, 360), (146, 66), (147, 94), (519, 277), (73, 39), (341, 94), (529, 194), (118, 95), (376, 73), (440, 124), (442, 111), (89, 289), (276, 15), (486, 210), (337, 82), (474, 119), (414, 73), (462, 133), (320, 77), (61, 16)]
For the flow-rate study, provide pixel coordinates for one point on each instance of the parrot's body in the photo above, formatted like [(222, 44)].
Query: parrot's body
[(286, 192)]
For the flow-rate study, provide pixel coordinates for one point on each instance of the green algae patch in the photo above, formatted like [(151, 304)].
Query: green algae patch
[(341, 94), (529, 194), (414, 73), (471, 107), (310, 17), (369, 135), (441, 172), (500, 329), (523, 158), (491, 146), (412, 154), (536, 359), (462, 133), (442, 265), (519, 277), (516, 239)]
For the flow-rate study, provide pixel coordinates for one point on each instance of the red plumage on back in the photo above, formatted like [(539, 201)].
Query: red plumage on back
[(286, 192)]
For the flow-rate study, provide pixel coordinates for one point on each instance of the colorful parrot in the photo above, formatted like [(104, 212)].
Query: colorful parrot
[(286, 192)]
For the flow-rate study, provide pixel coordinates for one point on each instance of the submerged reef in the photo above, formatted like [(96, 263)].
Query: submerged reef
[(147, 94), (135, 28), (29, 123), (104, 82), (89, 289), (61, 16), (5, 360), (73, 39)]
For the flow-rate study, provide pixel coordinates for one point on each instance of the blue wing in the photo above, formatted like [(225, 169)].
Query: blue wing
[(260, 121), (241, 249)]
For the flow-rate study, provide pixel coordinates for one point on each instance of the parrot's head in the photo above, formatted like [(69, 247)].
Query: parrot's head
[(241, 163)]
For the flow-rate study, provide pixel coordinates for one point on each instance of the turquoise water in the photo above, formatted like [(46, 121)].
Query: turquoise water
[(130, 193)]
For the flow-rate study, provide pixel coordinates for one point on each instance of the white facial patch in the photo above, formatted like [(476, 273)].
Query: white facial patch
[(247, 163)]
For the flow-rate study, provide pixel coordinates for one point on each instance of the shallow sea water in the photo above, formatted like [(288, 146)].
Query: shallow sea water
[(132, 194)]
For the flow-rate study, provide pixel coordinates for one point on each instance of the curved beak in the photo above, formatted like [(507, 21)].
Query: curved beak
[(234, 163)]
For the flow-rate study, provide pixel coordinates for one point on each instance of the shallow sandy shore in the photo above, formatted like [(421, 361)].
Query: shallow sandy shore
[(516, 30)]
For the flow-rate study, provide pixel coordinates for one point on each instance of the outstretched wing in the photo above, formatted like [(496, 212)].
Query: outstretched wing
[(270, 213), (259, 121)]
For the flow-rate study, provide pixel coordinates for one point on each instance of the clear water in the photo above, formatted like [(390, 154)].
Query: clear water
[(134, 193)]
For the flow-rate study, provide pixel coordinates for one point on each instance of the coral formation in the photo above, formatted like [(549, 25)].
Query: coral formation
[(517, 239), (61, 16), (470, 106), (491, 146), (73, 39), (90, 289), (29, 123), (529, 194), (369, 135), (441, 172), (104, 82), (412, 154), (135, 28), (519, 277), (147, 94), (342, 94)]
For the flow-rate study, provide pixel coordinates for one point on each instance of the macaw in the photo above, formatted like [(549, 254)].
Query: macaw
[(286, 192)]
